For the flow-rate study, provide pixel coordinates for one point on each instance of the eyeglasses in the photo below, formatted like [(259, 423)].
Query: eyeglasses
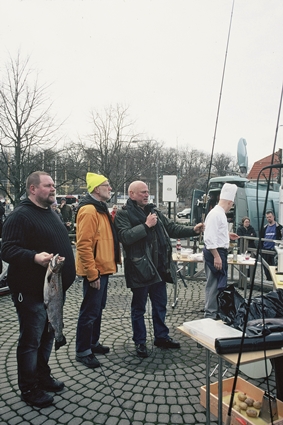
[(106, 185)]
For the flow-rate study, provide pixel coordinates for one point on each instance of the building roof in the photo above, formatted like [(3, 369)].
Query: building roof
[(259, 165)]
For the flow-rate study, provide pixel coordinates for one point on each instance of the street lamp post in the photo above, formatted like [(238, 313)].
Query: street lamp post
[(157, 179)]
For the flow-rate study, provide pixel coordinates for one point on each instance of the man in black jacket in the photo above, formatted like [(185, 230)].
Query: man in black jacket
[(32, 234), (145, 234), (67, 214)]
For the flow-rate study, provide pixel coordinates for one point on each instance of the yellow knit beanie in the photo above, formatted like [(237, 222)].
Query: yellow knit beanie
[(93, 180)]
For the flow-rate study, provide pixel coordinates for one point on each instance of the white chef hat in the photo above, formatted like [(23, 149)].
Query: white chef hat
[(228, 192)]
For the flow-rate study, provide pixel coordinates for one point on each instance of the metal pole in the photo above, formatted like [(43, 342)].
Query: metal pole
[(157, 177)]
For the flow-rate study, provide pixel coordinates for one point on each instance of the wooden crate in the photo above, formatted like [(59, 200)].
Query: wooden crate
[(242, 386)]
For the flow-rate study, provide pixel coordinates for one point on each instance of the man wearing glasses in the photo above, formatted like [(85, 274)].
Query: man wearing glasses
[(96, 257)]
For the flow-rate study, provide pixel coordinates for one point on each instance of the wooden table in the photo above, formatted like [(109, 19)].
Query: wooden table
[(241, 263), (277, 278), (230, 358)]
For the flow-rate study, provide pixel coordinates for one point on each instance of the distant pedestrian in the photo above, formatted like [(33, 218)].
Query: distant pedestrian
[(247, 230), (2, 215), (56, 209), (67, 213), (272, 231), (114, 212)]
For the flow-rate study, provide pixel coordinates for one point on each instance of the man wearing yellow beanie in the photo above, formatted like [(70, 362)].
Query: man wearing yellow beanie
[(96, 257)]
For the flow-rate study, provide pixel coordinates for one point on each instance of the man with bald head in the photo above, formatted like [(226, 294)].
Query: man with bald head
[(145, 235)]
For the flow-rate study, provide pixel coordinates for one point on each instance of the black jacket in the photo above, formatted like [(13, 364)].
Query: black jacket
[(141, 247), (29, 230), (247, 231)]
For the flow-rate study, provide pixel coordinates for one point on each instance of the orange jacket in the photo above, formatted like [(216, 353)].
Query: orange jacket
[(95, 245)]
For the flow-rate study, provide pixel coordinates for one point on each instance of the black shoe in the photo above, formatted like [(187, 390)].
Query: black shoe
[(51, 384), (141, 350), (167, 343), (89, 361), (37, 397), (100, 349)]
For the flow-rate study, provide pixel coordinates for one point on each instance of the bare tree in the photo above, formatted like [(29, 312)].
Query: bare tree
[(110, 146), (224, 164), (25, 124), (193, 172)]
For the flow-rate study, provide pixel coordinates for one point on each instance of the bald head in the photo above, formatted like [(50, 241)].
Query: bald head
[(138, 191)]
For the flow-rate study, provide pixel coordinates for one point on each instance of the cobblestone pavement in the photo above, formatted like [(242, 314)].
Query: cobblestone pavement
[(161, 389)]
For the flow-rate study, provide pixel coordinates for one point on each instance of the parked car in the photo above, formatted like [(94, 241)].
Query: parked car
[(186, 213)]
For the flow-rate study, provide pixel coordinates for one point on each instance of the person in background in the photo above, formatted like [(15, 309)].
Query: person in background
[(216, 240), (32, 234), (2, 215), (273, 231), (145, 235), (97, 255), (114, 212), (247, 230), (55, 208), (67, 213)]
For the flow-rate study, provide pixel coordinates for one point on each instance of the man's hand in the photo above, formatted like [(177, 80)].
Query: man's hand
[(218, 262), (43, 258), (95, 284), (233, 236), (199, 227), (151, 220)]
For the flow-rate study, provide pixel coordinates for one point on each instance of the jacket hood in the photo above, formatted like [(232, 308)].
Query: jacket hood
[(28, 202), (99, 205)]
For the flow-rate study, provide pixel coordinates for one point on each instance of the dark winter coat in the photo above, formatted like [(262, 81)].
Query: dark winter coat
[(247, 231), (142, 246)]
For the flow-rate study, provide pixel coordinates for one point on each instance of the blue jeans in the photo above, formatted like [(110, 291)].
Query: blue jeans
[(89, 322), (35, 341), (158, 297)]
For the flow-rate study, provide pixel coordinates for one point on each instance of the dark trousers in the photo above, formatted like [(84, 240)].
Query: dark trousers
[(158, 297), (35, 341), (89, 322), (269, 258)]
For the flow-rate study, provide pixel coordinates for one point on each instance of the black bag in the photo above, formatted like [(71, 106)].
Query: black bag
[(233, 307), (229, 302)]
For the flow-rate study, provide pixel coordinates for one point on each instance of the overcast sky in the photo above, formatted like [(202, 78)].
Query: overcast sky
[(161, 58)]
